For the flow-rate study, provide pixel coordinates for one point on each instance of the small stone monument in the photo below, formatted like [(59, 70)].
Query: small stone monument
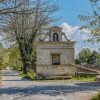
[(55, 55)]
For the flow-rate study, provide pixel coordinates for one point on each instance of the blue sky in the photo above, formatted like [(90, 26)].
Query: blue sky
[(68, 15), (70, 9)]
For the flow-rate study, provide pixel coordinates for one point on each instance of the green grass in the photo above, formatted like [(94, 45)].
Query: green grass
[(86, 79), (96, 97), (0, 79), (0, 76), (32, 76)]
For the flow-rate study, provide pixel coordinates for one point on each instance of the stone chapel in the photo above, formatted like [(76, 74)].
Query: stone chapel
[(55, 55)]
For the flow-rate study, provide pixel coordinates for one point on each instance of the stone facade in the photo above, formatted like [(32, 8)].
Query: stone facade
[(64, 51)]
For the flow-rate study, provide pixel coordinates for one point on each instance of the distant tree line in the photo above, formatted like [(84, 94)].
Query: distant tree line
[(88, 57)]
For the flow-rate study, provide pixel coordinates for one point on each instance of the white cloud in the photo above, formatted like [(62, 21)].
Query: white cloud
[(74, 33), (69, 30)]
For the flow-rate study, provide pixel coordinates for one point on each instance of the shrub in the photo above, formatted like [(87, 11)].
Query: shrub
[(30, 75), (97, 97)]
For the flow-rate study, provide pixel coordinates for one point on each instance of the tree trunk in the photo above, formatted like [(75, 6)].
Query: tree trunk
[(26, 52), (26, 65)]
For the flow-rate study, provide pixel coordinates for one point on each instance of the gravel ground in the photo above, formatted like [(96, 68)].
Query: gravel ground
[(16, 88)]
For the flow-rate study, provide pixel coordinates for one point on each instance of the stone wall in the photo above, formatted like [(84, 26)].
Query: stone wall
[(44, 58), (46, 49), (50, 70)]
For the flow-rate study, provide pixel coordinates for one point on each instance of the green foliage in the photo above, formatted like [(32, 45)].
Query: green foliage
[(5, 60), (30, 75), (11, 57), (0, 76), (94, 58), (15, 59), (84, 78), (88, 57), (93, 21), (83, 56), (97, 97)]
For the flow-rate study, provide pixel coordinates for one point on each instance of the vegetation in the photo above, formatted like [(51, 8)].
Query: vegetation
[(97, 97), (23, 22), (33, 76), (30, 75), (83, 79), (1, 56), (93, 21), (88, 57), (0, 75), (15, 61)]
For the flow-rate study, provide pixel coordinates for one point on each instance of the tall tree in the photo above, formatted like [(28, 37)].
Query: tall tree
[(93, 21), (23, 21)]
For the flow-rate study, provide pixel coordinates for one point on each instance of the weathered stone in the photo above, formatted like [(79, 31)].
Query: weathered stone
[(98, 78), (55, 45)]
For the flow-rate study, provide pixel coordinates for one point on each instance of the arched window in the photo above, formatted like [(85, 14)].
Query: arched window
[(55, 37)]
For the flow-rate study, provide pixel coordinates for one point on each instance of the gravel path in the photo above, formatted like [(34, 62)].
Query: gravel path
[(16, 88)]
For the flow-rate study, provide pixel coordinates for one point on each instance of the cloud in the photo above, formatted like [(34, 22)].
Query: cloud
[(80, 36), (74, 33)]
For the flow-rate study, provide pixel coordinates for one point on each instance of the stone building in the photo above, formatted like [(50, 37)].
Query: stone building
[(55, 55)]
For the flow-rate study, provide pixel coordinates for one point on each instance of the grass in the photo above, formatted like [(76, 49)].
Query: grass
[(96, 97), (86, 79), (73, 79), (0, 76)]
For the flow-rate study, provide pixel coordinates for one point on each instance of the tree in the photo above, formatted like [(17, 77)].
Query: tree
[(94, 58), (84, 55), (88, 57), (93, 21), (1, 55), (23, 21), (15, 60), (6, 58)]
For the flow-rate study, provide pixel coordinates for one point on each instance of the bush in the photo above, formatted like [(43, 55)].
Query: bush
[(97, 97), (30, 75)]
